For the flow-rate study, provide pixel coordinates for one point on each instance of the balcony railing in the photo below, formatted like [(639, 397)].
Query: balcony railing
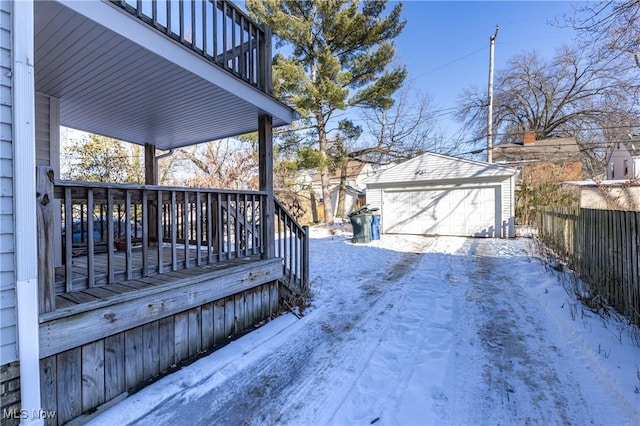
[(217, 30)]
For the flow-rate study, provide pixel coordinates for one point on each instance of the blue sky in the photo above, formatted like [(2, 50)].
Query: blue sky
[(445, 44)]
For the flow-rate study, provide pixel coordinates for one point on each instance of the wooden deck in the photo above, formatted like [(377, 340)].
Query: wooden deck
[(89, 314), (82, 267), (196, 268), (122, 335), (102, 289)]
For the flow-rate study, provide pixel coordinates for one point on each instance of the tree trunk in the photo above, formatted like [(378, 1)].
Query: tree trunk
[(342, 192), (314, 206), (324, 171)]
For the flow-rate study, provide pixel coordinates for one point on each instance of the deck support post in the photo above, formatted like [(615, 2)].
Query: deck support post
[(151, 178), (46, 226), (265, 61), (150, 172), (265, 148)]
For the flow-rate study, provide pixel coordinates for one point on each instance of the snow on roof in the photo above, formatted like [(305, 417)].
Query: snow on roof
[(608, 182), (434, 167), (633, 145)]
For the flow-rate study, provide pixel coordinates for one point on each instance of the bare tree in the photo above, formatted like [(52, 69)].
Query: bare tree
[(614, 26), (567, 95), (407, 128), (227, 163), (402, 130)]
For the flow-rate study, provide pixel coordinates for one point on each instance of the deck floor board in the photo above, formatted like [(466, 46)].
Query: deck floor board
[(102, 289)]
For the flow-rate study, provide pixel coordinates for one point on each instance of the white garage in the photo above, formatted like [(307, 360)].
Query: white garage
[(434, 194)]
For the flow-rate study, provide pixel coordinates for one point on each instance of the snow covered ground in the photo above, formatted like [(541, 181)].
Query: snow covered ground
[(413, 331)]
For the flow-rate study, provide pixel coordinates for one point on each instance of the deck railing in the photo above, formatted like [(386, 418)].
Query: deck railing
[(292, 245), (217, 30), (141, 230)]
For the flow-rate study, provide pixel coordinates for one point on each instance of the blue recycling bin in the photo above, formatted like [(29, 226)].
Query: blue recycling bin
[(375, 227)]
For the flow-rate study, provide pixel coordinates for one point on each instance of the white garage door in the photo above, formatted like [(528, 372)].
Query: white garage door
[(464, 212)]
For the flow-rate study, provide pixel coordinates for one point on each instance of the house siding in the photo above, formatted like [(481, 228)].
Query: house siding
[(374, 198), (615, 166), (614, 197), (47, 131), (43, 153), (8, 351), (508, 207)]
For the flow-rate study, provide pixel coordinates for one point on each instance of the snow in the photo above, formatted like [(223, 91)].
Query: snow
[(411, 330)]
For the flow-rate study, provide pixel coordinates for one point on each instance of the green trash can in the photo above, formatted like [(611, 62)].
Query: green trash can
[(361, 224)]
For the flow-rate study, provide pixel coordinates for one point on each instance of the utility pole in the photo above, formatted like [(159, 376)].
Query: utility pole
[(492, 42)]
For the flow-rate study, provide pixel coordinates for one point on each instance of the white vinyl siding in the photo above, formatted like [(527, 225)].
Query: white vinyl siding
[(508, 206), (43, 155), (437, 168), (615, 167), (48, 132), (374, 198), (7, 259)]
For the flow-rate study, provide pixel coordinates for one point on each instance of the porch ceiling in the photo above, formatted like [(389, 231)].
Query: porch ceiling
[(118, 78)]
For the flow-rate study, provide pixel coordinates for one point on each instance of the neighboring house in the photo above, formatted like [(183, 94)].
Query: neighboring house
[(563, 153), (624, 159), (434, 194), (621, 189), (356, 173), (80, 331), (606, 194), (542, 165)]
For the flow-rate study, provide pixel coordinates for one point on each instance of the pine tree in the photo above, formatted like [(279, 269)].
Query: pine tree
[(341, 55)]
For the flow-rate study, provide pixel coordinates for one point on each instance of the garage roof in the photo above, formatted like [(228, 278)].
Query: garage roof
[(436, 167)]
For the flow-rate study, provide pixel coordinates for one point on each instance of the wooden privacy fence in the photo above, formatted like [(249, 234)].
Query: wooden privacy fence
[(602, 247)]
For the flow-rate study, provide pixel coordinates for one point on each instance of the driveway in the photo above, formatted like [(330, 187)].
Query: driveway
[(413, 330)]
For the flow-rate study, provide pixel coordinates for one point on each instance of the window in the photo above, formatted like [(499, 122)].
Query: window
[(613, 172), (626, 167)]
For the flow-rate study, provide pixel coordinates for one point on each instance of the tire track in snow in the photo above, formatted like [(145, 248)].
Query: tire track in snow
[(526, 378), (449, 336), (431, 345), (410, 331), (275, 389)]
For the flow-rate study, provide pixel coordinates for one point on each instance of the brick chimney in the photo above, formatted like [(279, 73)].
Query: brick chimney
[(528, 138)]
